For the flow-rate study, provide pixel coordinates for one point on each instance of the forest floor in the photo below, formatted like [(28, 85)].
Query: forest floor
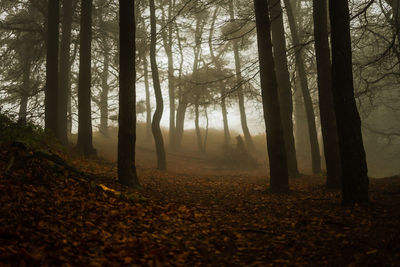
[(66, 210)]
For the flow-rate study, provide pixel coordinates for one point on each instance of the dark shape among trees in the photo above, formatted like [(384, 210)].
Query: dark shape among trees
[(269, 91), (284, 85), (51, 91), (84, 143), (312, 129), (354, 166), (65, 70), (127, 96), (326, 108), (158, 138)]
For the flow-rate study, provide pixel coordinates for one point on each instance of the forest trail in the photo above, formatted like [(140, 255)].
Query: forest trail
[(50, 215)]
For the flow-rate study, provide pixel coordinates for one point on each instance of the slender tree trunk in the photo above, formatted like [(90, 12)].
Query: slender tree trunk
[(84, 143), (23, 107), (227, 135), (269, 90), (326, 107), (354, 166), (312, 129), (65, 70), (167, 40), (104, 94), (24, 92), (242, 110), (147, 89), (197, 91), (284, 86), (206, 133), (127, 95), (182, 104), (51, 91), (197, 126), (158, 138)]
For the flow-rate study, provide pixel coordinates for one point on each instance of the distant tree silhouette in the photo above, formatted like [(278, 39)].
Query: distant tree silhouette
[(51, 92)]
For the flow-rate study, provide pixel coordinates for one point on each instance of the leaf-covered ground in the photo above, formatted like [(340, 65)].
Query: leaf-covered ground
[(52, 215)]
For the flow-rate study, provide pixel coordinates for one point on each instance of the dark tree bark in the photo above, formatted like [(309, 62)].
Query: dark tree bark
[(147, 89), (243, 119), (284, 86), (354, 166), (167, 41), (197, 125), (127, 95), (312, 129), (51, 92), (269, 90), (157, 134), (215, 59), (65, 71), (104, 93), (24, 91), (326, 107), (23, 107), (84, 143), (182, 103), (196, 91), (227, 135)]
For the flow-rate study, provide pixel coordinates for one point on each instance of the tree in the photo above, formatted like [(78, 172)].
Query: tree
[(326, 107), (269, 91), (127, 95), (157, 134), (84, 143), (238, 67), (354, 166), (312, 129), (167, 37), (51, 92), (65, 70), (284, 86)]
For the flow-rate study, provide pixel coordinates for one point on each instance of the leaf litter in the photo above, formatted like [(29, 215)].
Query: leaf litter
[(58, 216)]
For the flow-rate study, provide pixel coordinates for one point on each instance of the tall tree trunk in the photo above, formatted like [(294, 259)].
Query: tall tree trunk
[(24, 91), (167, 40), (242, 109), (227, 135), (127, 95), (197, 91), (284, 86), (269, 90), (84, 143), (51, 92), (197, 126), (312, 129), (147, 89), (206, 133), (65, 70), (182, 104), (23, 107), (104, 93), (158, 138), (180, 121), (326, 107), (215, 59), (354, 166)]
